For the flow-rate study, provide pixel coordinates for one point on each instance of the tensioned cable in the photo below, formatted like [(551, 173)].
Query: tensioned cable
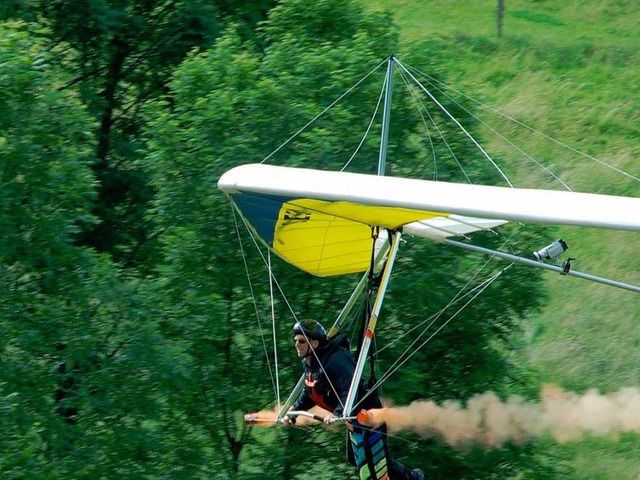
[(481, 288), (277, 284), (271, 276), (366, 133), (454, 120), (420, 107), (426, 126), (433, 318), (537, 132), (273, 325), (353, 87), (495, 132), (253, 297), (264, 260), (267, 262), (458, 297)]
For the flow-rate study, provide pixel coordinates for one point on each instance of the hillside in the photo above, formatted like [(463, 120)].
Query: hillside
[(569, 69)]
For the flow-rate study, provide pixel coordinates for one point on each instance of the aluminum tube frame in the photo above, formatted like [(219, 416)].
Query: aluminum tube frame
[(371, 325), (346, 310), (546, 266), (386, 116)]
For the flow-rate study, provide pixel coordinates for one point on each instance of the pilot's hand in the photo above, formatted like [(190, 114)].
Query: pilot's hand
[(328, 419)]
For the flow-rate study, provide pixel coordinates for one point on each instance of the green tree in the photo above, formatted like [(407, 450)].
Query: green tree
[(85, 375), (107, 372), (236, 103), (47, 189), (121, 55)]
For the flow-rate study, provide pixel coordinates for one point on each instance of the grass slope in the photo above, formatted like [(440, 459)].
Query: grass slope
[(571, 69)]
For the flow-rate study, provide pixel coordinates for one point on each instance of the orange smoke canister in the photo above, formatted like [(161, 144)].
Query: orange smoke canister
[(364, 417)]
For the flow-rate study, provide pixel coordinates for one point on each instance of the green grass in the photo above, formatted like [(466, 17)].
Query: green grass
[(571, 69), (563, 22)]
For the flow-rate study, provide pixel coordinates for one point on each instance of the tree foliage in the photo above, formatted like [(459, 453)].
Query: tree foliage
[(85, 374), (120, 56), (142, 369)]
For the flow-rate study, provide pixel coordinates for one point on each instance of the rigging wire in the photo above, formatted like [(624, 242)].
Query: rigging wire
[(531, 129), (335, 102), (426, 126), (495, 132), (420, 106), (273, 324), (267, 262), (278, 287), (253, 296), (366, 133), (454, 120), (459, 296), (264, 260), (401, 361)]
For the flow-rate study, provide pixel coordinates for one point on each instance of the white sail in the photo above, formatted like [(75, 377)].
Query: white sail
[(511, 204)]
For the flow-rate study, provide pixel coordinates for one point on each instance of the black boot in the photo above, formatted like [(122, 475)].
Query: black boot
[(398, 471), (417, 474)]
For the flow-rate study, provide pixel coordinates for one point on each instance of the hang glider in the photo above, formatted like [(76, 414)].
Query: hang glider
[(334, 223), (321, 221)]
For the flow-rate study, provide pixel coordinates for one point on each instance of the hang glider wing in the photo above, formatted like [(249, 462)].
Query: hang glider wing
[(321, 221)]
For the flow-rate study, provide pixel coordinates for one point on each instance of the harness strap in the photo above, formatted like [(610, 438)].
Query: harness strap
[(370, 452)]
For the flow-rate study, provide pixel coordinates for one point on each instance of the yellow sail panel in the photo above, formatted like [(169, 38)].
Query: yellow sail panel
[(387, 217), (325, 247), (334, 238)]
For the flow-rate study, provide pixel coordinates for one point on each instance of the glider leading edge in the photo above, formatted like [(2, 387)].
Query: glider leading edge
[(321, 221)]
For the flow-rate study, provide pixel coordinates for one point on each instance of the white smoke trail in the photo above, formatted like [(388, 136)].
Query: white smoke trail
[(488, 421)]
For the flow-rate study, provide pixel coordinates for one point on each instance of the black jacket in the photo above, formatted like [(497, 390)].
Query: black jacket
[(328, 378)]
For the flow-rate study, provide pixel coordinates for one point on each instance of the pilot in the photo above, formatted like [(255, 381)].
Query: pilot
[(329, 368)]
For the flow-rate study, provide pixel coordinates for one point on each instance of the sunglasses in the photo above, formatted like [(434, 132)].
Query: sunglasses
[(301, 341)]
